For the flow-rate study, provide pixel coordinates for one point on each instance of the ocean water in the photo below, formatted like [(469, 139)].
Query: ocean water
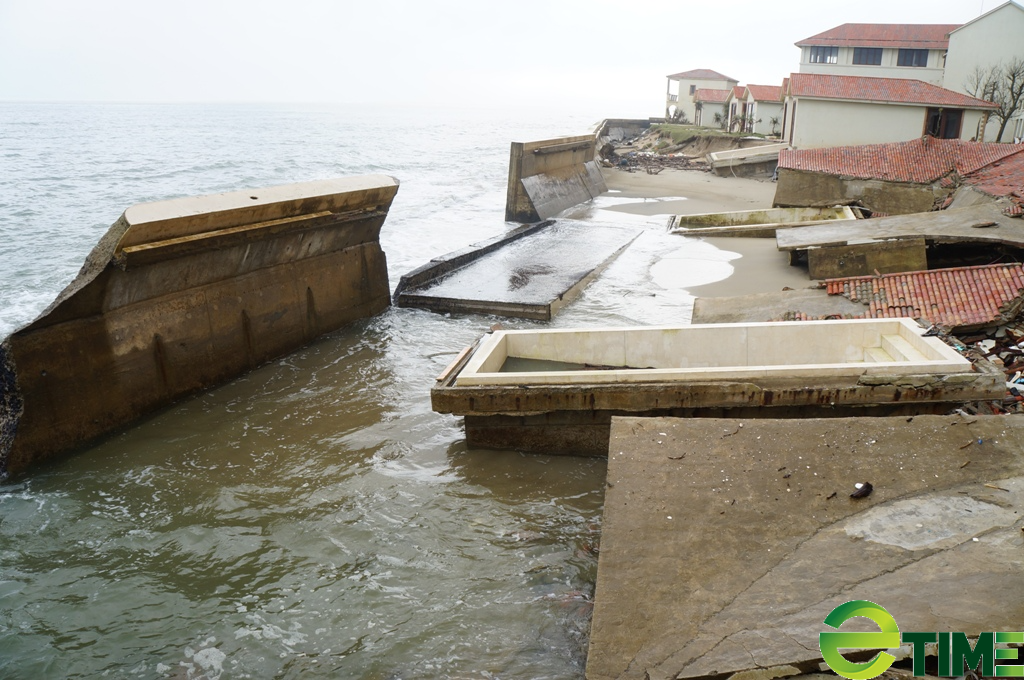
[(313, 518)]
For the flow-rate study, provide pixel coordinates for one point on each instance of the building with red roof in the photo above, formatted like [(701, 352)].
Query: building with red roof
[(901, 177), (681, 87), (915, 51), (827, 110), (707, 102)]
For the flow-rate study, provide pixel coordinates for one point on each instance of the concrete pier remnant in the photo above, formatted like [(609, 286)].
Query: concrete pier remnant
[(529, 273), (546, 177), (725, 543), (183, 294)]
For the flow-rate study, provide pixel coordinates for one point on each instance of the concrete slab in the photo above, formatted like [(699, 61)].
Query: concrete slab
[(530, 277), (814, 302), (184, 294), (977, 224), (725, 543)]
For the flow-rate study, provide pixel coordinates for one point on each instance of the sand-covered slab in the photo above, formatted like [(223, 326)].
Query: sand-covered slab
[(725, 543)]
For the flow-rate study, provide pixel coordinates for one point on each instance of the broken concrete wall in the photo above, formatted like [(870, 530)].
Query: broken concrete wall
[(797, 188), (864, 259), (619, 129), (546, 177), (181, 295)]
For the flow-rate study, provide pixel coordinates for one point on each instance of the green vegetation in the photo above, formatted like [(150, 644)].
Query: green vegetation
[(682, 133)]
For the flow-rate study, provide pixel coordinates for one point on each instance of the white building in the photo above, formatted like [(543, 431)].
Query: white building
[(994, 38), (763, 104), (915, 51), (825, 110), (681, 87), (706, 103)]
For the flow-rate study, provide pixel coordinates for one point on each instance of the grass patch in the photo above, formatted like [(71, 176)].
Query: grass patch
[(681, 133)]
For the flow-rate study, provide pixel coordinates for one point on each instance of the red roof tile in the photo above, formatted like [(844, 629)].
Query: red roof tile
[(701, 74), (889, 90), (738, 91), (765, 93), (962, 296), (916, 36), (1004, 177), (706, 94), (920, 161)]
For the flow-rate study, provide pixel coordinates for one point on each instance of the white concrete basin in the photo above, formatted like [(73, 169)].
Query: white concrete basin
[(712, 352)]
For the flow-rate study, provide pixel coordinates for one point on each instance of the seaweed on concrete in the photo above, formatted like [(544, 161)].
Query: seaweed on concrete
[(11, 406)]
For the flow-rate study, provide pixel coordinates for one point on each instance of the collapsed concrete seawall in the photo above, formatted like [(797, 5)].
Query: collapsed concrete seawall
[(181, 295), (546, 177), (799, 188)]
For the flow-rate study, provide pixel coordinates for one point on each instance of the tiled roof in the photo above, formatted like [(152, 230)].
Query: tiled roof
[(738, 91), (1004, 177), (701, 74), (962, 296), (765, 93), (920, 161), (916, 36), (706, 94), (888, 90)]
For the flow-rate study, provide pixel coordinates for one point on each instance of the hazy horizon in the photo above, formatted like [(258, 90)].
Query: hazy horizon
[(602, 55)]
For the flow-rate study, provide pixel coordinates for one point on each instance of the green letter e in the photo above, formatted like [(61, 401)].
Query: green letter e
[(888, 638)]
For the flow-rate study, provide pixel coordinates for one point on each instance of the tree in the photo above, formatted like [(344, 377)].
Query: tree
[(774, 122), (1003, 85)]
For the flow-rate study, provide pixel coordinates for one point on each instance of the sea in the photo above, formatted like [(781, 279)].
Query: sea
[(313, 518)]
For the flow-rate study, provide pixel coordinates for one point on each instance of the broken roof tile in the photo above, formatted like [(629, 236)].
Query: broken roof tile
[(920, 161), (960, 296)]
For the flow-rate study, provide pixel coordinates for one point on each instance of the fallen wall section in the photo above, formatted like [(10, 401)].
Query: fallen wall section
[(181, 295), (546, 177)]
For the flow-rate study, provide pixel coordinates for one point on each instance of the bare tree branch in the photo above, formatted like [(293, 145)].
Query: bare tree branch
[(1003, 85)]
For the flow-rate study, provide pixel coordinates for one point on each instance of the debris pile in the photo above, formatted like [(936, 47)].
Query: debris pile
[(1004, 347), (652, 164)]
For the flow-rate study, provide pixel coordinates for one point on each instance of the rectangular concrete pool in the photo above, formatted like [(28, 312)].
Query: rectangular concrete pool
[(709, 352), (556, 391)]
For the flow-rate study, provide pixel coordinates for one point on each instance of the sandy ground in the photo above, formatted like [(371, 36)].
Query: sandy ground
[(760, 267)]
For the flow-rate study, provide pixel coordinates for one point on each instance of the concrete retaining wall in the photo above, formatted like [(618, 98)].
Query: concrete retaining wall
[(181, 295), (864, 259), (802, 188), (546, 177)]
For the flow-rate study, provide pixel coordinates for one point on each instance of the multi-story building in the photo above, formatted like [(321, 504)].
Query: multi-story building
[(995, 39), (681, 87), (916, 51)]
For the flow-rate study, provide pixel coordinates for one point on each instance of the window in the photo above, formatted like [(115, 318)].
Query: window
[(943, 123), (824, 55), (912, 58), (693, 88), (870, 56)]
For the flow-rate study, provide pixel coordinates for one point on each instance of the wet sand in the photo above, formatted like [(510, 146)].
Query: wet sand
[(760, 267)]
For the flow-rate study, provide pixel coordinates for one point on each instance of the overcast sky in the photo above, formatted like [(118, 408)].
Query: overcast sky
[(605, 56)]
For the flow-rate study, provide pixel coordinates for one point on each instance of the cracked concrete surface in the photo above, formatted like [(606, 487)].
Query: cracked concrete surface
[(724, 547)]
